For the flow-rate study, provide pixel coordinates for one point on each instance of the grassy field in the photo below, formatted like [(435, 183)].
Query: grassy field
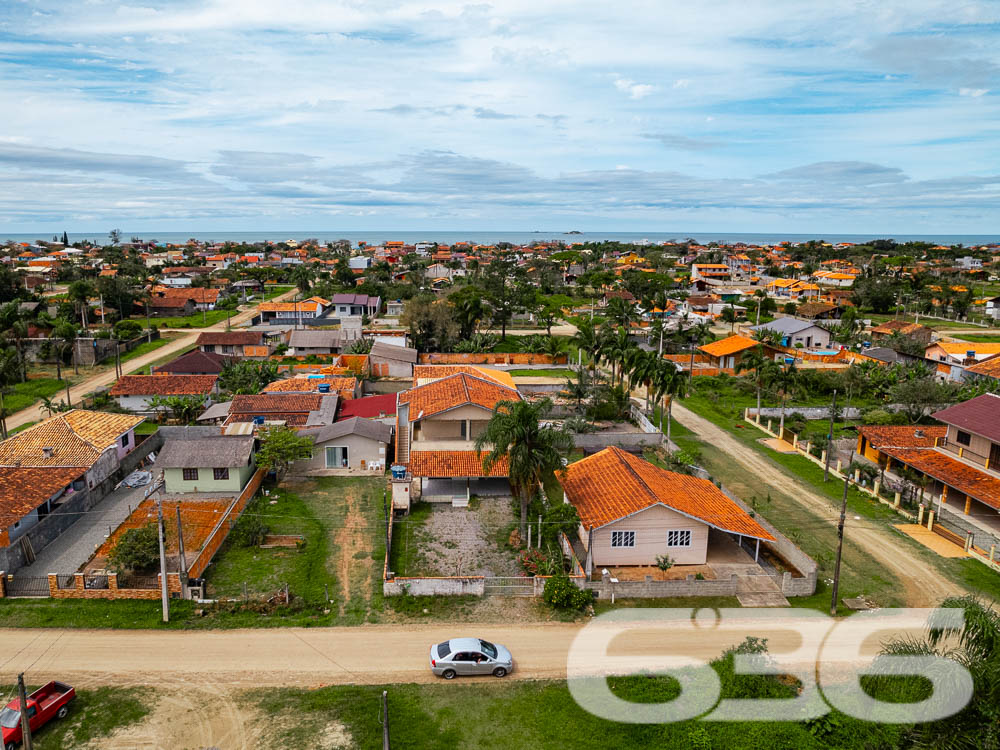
[(339, 519), (276, 291), (148, 346), (984, 338), (554, 373), (541, 715), (95, 714), (169, 358), (195, 320), (22, 395)]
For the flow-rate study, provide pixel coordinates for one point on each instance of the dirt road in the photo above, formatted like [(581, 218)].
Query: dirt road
[(78, 391), (924, 586)]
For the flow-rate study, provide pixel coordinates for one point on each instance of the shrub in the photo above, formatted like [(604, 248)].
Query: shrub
[(664, 562), (136, 549), (249, 530), (884, 417), (127, 329), (562, 593), (530, 560)]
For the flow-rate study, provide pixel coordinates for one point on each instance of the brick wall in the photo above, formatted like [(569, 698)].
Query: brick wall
[(80, 591), (222, 528)]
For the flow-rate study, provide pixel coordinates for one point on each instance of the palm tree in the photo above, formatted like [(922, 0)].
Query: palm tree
[(80, 292), (621, 311), (579, 389), (975, 646), (515, 432), (785, 379), (762, 366), (614, 348), (669, 381), (586, 339)]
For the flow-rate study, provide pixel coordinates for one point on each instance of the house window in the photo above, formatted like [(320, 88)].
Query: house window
[(963, 438), (622, 538), (125, 440), (464, 430), (679, 538), (190, 475), (220, 473), (336, 457)]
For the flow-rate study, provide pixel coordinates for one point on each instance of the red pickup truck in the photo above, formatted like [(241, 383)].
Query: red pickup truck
[(46, 703)]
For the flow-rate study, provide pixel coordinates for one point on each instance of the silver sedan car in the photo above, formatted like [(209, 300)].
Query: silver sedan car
[(470, 656)]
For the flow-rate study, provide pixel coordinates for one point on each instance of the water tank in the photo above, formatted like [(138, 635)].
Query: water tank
[(258, 420), (398, 472), (324, 387), (971, 354)]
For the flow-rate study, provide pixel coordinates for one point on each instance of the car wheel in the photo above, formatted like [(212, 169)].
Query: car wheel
[(499, 672), (61, 713), (448, 674), (10, 746)]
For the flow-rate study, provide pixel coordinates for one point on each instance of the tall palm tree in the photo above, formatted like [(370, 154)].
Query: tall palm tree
[(785, 379), (80, 292), (586, 339), (667, 380), (615, 347), (533, 450), (621, 311), (640, 366), (976, 647), (763, 368)]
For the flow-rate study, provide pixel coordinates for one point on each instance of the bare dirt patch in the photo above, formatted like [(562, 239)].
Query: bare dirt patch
[(195, 716)]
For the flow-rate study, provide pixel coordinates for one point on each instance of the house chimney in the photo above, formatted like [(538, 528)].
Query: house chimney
[(919, 434), (48, 452)]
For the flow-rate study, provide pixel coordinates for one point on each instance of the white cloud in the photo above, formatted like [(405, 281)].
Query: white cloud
[(975, 93), (633, 89)]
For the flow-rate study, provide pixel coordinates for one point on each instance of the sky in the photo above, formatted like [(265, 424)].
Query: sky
[(853, 116)]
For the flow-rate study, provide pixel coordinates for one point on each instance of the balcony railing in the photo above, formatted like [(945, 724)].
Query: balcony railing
[(962, 451)]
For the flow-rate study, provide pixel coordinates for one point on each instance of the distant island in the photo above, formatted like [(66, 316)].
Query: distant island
[(575, 231)]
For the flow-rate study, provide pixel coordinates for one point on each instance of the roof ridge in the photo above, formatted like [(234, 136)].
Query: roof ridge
[(619, 454)]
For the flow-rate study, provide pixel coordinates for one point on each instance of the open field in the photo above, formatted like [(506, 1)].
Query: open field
[(22, 395), (196, 320)]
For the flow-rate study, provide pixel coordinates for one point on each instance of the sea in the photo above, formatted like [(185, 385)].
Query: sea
[(376, 237)]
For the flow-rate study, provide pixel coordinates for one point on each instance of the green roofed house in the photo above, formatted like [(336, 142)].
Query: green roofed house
[(212, 465)]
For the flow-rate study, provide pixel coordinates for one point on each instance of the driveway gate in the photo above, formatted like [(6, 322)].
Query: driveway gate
[(509, 586), (27, 586)]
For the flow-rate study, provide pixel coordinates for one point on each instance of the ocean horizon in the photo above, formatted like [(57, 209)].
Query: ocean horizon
[(376, 237)]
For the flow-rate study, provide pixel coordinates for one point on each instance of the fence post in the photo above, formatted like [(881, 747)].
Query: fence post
[(840, 465), (920, 516), (968, 541), (3, 584), (930, 520), (876, 487), (896, 499), (822, 457), (993, 549)]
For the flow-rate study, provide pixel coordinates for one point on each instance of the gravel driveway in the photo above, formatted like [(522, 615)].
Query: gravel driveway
[(463, 541)]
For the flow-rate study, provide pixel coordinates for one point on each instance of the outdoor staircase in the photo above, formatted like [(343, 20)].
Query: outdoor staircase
[(403, 435)]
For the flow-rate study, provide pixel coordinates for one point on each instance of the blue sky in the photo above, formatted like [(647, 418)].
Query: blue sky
[(849, 117)]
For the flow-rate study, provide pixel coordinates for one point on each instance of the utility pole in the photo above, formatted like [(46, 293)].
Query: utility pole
[(385, 721), (840, 540), (163, 561), (26, 741), (3, 416), (385, 510), (180, 554), (829, 438)]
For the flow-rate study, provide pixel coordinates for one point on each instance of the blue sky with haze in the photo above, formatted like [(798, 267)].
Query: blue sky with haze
[(850, 117)]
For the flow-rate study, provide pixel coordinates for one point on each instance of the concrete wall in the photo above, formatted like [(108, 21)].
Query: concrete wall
[(650, 527), (650, 589), (180, 432), (457, 586), (373, 387), (624, 440)]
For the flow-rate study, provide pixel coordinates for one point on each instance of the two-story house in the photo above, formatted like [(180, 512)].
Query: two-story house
[(959, 462), (437, 424)]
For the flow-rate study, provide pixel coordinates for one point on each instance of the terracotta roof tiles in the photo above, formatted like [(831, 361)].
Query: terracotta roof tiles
[(454, 464), (452, 391), (613, 484), (730, 345), (77, 438), (24, 489), (164, 385), (907, 436)]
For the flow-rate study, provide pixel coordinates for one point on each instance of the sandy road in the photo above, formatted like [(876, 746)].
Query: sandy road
[(78, 391), (924, 586)]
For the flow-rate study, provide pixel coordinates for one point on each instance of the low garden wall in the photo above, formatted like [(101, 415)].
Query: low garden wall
[(491, 358), (81, 586), (650, 589), (444, 586)]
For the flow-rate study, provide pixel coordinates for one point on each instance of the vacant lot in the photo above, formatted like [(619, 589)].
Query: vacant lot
[(439, 540), (339, 520)]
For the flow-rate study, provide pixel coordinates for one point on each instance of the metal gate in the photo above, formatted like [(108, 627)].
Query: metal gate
[(509, 586), (27, 586)]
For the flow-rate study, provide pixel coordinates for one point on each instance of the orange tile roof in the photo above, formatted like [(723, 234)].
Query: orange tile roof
[(343, 386), (728, 346), (453, 391), (164, 385), (961, 347), (425, 372), (22, 490), (77, 437), (964, 478), (454, 464), (988, 367), (902, 436), (613, 484)]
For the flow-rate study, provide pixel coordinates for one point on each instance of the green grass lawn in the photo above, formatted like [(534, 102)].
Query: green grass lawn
[(340, 519), (195, 320), (985, 338), (408, 536), (22, 395), (95, 714), (555, 373), (147, 347), (276, 291), (541, 715)]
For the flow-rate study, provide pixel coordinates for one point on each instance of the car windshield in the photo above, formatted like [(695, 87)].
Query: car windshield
[(444, 649), (9, 718), (489, 649)]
